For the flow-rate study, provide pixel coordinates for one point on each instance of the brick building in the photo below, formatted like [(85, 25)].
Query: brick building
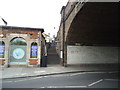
[(21, 46)]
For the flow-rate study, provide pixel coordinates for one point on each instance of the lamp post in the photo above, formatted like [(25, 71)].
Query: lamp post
[(63, 34)]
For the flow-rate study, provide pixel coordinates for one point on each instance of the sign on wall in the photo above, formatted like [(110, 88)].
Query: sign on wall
[(34, 51), (2, 50), (18, 53)]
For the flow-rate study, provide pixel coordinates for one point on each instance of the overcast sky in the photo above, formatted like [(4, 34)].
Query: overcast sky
[(32, 13)]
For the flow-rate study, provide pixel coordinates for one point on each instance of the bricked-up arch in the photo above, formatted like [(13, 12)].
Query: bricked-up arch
[(2, 49), (34, 50), (18, 49)]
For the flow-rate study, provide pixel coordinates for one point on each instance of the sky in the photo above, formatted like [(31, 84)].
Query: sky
[(33, 13)]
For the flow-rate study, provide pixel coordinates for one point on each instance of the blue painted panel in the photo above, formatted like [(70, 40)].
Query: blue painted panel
[(2, 50), (34, 50)]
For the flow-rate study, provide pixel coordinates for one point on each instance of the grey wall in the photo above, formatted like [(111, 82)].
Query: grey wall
[(92, 55)]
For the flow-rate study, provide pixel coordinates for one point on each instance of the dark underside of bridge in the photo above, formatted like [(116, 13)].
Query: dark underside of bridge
[(96, 23)]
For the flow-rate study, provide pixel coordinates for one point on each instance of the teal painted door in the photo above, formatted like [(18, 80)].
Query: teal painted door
[(17, 52)]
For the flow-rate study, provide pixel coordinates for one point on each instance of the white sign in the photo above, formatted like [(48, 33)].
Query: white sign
[(18, 53), (61, 54)]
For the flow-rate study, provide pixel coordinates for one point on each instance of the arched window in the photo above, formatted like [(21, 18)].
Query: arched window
[(2, 49), (18, 41), (34, 50)]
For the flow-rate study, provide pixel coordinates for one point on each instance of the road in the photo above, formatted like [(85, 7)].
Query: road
[(73, 80)]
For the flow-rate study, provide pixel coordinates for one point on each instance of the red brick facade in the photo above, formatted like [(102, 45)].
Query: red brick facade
[(2, 62), (33, 61), (33, 33), (30, 35)]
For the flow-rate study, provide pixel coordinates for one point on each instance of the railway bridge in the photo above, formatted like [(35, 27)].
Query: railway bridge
[(88, 33)]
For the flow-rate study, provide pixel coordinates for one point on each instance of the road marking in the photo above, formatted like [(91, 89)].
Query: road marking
[(95, 82), (75, 86), (65, 87)]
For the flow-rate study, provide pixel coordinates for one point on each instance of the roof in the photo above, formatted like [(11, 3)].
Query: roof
[(22, 28), (45, 35)]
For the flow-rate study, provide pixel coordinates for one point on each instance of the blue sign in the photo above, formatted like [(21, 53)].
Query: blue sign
[(34, 50), (2, 50)]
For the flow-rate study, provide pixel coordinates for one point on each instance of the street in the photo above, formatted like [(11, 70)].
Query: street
[(71, 80)]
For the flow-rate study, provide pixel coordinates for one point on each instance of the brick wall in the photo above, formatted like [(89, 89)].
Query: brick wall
[(2, 62), (33, 61), (33, 33)]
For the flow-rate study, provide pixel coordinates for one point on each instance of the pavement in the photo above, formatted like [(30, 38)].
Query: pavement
[(24, 72), (52, 68)]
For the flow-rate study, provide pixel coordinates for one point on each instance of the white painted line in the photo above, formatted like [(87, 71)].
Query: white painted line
[(51, 86), (75, 86), (66, 87), (95, 82)]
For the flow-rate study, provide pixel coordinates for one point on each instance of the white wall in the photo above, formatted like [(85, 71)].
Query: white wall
[(92, 55)]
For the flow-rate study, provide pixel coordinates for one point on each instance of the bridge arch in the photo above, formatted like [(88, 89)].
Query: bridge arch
[(95, 23)]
